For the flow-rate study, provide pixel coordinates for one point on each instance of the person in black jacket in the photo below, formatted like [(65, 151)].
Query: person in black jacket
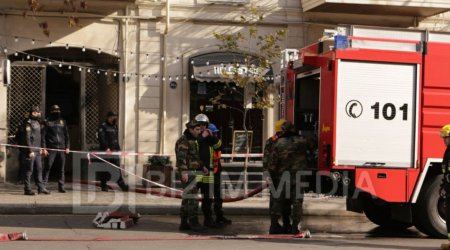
[(206, 143), (108, 137), (31, 156), (56, 137)]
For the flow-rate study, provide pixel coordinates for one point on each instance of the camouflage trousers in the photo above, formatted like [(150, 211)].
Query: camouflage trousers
[(189, 202), (286, 195)]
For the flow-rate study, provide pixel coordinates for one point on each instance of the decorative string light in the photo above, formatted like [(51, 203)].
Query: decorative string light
[(106, 72)]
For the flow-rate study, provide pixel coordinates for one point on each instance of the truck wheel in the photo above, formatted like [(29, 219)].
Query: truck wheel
[(429, 211), (379, 213)]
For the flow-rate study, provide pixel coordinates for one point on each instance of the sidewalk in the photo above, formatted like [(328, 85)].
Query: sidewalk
[(82, 199)]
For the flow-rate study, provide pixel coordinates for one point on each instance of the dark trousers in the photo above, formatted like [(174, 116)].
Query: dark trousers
[(283, 201), (447, 207), (104, 176), (206, 190), (218, 195), (33, 165), (22, 166), (55, 159)]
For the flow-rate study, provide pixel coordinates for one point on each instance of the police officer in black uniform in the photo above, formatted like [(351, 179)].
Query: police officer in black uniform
[(32, 156), (56, 137), (108, 137)]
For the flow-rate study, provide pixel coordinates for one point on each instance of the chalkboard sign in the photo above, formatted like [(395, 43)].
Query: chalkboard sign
[(239, 141)]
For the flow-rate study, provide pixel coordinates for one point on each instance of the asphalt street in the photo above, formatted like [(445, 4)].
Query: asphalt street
[(161, 232)]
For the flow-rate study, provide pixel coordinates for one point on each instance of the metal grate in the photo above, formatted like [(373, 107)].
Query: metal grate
[(25, 91), (102, 95), (92, 114)]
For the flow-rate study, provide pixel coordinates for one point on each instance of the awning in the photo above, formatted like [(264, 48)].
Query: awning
[(213, 67), (413, 8)]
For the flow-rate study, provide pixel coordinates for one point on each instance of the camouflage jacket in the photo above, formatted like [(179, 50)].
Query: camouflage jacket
[(288, 153), (187, 153), (268, 152)]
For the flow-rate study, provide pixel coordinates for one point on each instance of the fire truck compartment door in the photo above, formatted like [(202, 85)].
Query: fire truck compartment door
[(376, 114)]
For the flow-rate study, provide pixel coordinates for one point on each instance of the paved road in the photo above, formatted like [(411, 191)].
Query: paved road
[(48, 232)]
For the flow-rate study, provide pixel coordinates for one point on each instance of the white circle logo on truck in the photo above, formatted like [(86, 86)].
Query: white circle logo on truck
[(354, 109)]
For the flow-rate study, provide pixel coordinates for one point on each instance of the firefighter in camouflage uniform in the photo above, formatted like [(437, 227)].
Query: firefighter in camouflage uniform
[(288, 159), (191, 172), (276, 228)]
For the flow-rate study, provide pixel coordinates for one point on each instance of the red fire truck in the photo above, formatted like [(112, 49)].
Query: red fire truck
[(375, 99)]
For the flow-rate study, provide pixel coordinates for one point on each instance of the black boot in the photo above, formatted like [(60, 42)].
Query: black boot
[(287, 227), (275, 227), (295, 227), (61, 189), (209, 222), (223, 220), (29, 192), (184, 225), (43, 191), (195, 226)]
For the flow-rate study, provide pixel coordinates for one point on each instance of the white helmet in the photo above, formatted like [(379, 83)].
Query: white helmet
[(202, 118)]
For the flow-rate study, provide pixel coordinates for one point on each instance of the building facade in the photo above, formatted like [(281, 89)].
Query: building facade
[(137, 58)]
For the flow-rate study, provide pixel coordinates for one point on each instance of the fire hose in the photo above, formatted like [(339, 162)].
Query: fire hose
[(174, 193)]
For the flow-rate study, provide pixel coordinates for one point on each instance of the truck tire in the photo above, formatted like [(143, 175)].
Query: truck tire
[(379, 212), (429, 213)]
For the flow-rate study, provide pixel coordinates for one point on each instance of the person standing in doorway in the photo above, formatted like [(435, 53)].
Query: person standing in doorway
[(108, 137), (34, 140), (56, 137)]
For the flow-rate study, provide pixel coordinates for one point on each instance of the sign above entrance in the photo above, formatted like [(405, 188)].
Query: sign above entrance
[(215, 67)]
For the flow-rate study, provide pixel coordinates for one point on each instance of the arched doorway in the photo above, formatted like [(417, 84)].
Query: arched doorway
[(207, 81), (78, 82)]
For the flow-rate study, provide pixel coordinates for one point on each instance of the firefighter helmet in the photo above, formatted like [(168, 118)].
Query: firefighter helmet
[(55, 108), (278, 125), (287, 126), (192, 124), (213, 128), (445, 131), (202, 118)]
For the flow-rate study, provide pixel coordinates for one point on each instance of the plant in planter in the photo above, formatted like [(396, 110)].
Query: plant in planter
[(157, 169), (157, 160)]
